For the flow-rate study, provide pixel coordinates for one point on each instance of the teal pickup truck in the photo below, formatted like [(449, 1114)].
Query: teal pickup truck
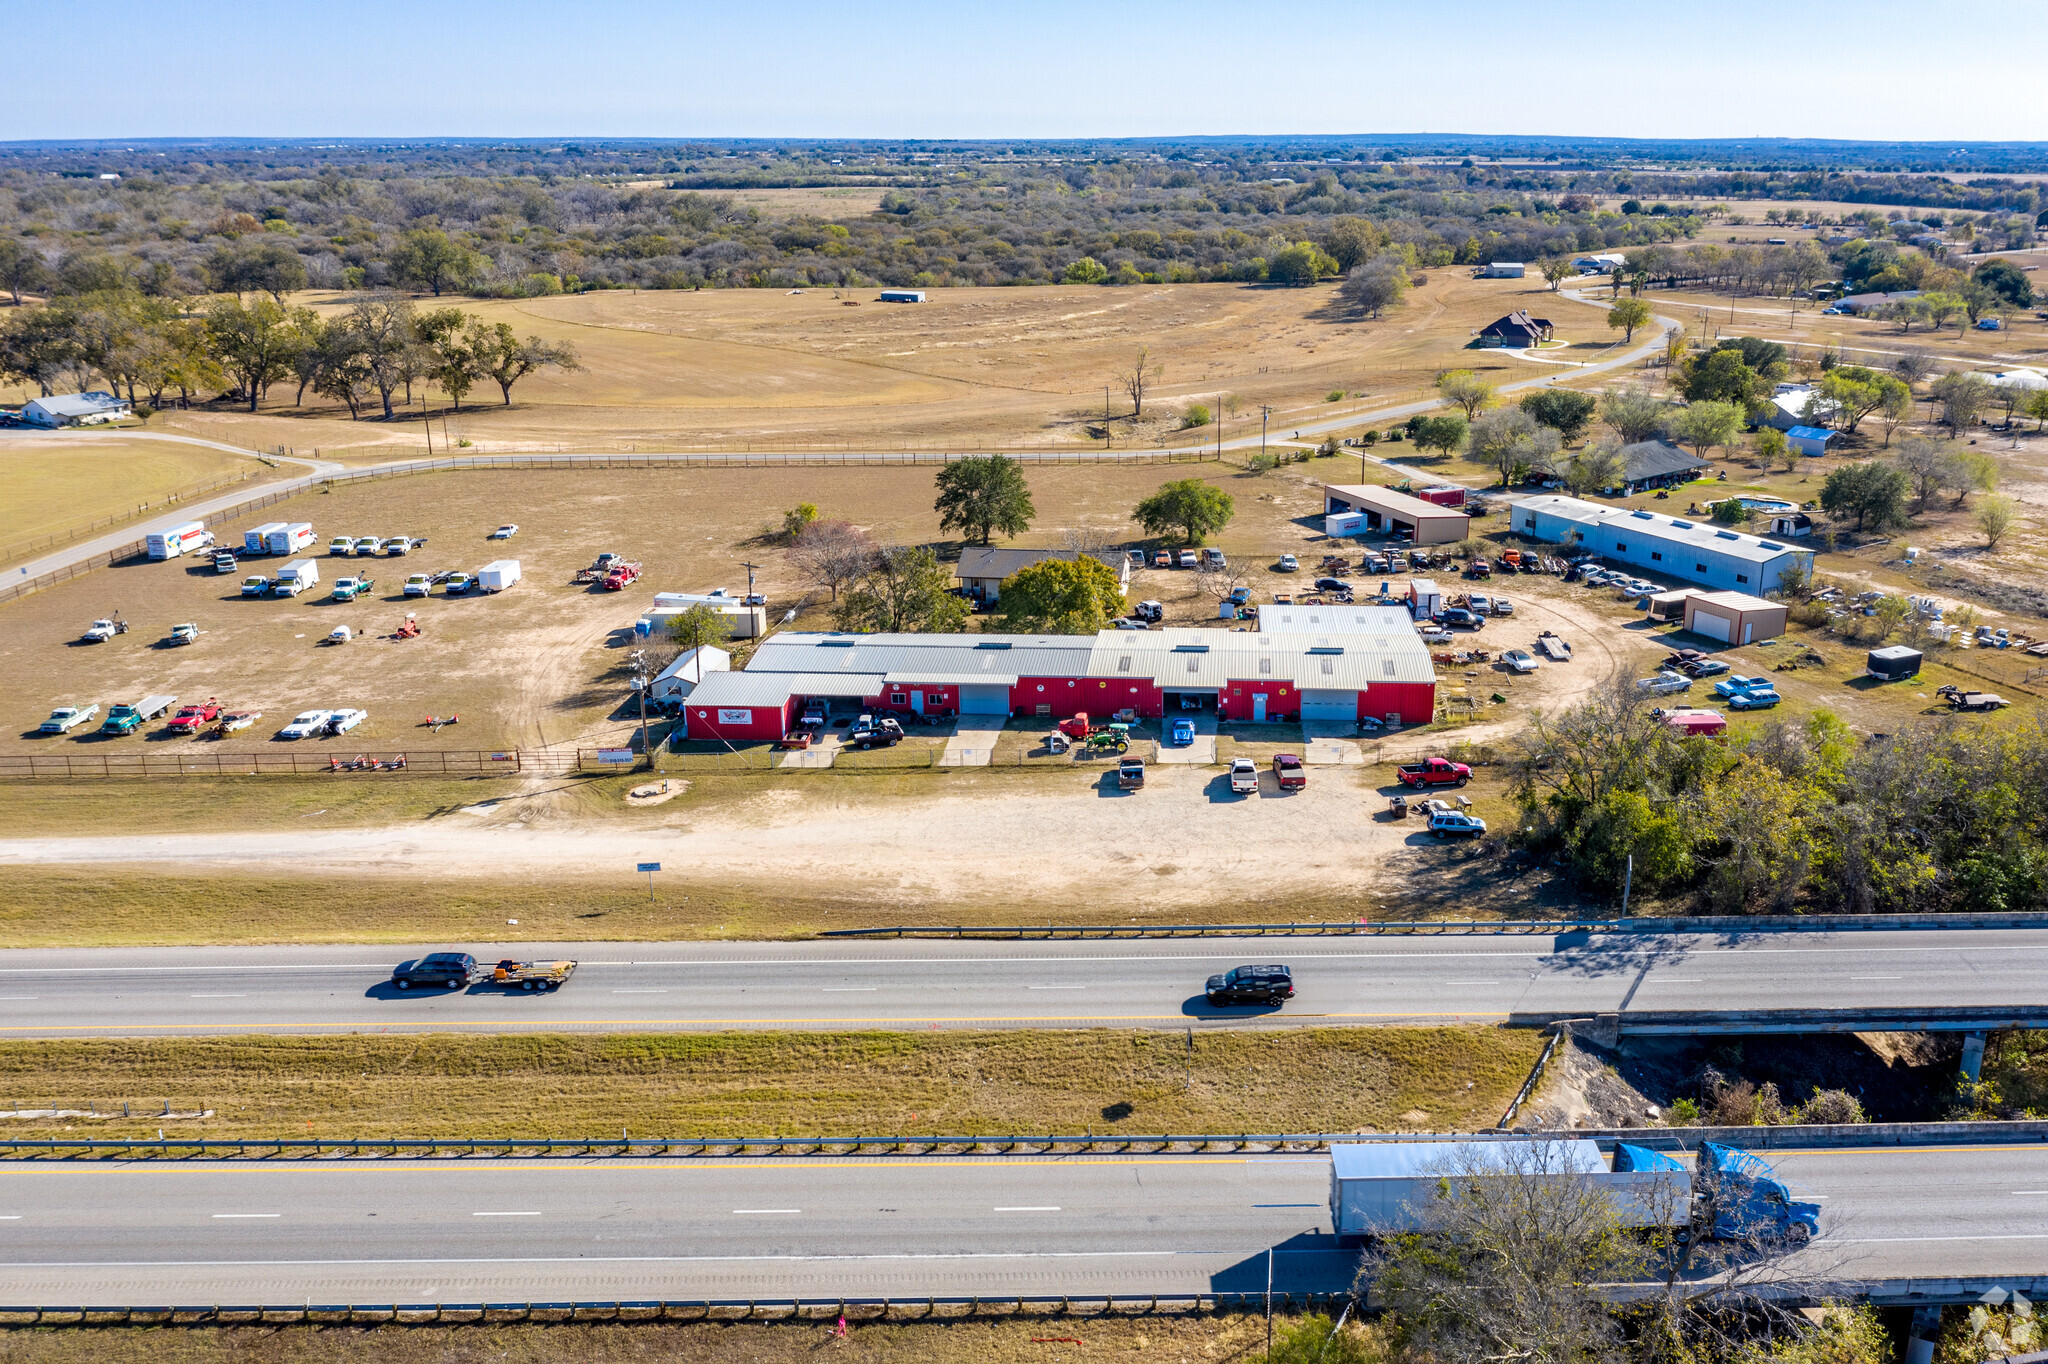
[(126, 719)]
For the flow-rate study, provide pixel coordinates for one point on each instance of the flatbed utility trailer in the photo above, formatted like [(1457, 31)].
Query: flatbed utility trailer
[(1554, 648), (532, 975)]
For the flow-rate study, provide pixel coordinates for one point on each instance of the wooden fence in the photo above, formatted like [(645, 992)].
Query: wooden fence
[(195, 762)]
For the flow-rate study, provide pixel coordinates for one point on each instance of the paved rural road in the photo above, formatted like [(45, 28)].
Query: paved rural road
[(624, 987), (474, 1231)]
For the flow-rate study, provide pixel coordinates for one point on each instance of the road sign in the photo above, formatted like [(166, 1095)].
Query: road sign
[(648, 866), (615, 755)]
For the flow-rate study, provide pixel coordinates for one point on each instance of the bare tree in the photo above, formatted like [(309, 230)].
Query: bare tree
[(1138, 377), (831, 554)]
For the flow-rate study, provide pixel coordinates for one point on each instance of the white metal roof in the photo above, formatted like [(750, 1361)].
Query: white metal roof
[(1657, 526), (772, 689), (972, 658), (1344, 659), (1736, 601), (78, 404), (1401, 504)]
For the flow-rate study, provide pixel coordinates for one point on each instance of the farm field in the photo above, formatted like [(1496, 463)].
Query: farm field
[(1016, 368), (60, 481)]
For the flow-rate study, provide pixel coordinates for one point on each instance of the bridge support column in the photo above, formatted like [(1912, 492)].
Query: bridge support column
[(1973, 1056), (1920, 1339)]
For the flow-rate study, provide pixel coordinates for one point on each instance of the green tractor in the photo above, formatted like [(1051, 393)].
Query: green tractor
[(1109, 739)]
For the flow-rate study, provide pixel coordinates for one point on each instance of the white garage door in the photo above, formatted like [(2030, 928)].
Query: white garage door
[(1339, 706), (985, 699), (1708, 624)]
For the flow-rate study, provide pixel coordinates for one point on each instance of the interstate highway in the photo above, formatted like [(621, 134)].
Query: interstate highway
[(430, 1231), (622, 987)]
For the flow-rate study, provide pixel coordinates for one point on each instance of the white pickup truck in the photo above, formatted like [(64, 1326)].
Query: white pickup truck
[(64, 719)]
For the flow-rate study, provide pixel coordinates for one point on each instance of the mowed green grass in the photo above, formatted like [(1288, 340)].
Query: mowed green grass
[(57, 483), (963, 1082)]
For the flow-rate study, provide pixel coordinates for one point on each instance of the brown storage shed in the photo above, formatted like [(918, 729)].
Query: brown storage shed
[(1734, 617)]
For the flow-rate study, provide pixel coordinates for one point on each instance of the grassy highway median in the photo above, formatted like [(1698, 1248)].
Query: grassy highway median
[(794, 1084)]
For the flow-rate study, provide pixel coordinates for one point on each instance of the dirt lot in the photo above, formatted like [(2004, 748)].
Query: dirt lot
[(1018, 367)]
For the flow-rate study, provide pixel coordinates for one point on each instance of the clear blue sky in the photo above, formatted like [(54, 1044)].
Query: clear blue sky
[(1889, 69)]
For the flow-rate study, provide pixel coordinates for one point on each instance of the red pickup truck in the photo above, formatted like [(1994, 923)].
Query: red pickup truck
[(621, 576), (1435, 772), (191, 719), (1288, 771)]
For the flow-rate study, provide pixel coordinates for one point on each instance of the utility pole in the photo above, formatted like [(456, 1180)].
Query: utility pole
[(1105, 416), (750, 583), (640, 685), (1265, 412)]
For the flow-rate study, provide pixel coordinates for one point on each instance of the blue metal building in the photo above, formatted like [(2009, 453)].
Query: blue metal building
[(1690, 552)]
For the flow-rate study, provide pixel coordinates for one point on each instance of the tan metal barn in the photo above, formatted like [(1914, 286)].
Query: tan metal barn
[(1734, 617), (1386, 511)]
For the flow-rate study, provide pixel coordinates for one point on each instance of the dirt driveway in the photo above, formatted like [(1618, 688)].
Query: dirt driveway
[(1184, 843)]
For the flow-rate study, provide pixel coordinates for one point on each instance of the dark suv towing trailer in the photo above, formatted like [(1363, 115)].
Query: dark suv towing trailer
[(449, 970), (1251, 985)]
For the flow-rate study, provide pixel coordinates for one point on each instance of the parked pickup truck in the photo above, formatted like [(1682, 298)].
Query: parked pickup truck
[(1387, 1188), (126, 719), (191, 719), (64, 719), (532, 975), (1288, 771), (256, 585), (348, 589), (1435, 772), (1130, 774), (1244, 776)]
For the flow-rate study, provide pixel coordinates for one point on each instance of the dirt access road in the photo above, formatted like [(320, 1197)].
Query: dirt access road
[(1182, 843)]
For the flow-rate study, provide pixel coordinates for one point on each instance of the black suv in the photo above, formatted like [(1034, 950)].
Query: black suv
[(450, 970), (1252, 985)]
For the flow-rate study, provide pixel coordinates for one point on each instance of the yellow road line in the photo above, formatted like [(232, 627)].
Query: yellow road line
[(415, 1165)]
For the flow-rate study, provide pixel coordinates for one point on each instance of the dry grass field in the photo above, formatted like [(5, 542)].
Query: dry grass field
[(1037, 1339), (60, 481), (957, 1082), (542, 663), (1018, 368)]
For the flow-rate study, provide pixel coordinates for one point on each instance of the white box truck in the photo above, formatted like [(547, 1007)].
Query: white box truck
[(290, 539), (172, 541), (497, 575), (296, 577), (257, 541)]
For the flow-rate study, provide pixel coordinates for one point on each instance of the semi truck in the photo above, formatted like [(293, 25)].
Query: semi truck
[(172, 541), (1386, 1188)]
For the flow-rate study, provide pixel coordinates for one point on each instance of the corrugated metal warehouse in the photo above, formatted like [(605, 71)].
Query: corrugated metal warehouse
[(1694, 551), (1374, 666), (1386, 511)]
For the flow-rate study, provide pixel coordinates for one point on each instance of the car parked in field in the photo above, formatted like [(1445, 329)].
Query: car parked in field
[(366, 545), (1455, 824), (1332, 585), (1735, 683), (1288, 564), (1756, 698), (1162, 559), (1503, 607), (305, 724), (1520, 660), (192, 719), (506, 531), (64, 719), (1188, 559), (1458, 618), (341, 546), (1251, 985), (1244, 776), (344, 720), (1664, 683), (448, 970), (1289, 772)]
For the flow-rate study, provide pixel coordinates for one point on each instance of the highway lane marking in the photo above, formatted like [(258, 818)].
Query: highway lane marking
[(1471, 982), (1917, 1240), (639, 1259), (851, 989), (241, 996), (639, 992), (1050, 1209), (11, 1217), (2018, 1193), (1877, 977), (20, 996), (1055, 987), (458, 1023), (1287, 1205), (764, 1212), (504, 1214), (235, 1215), (1674, 980)]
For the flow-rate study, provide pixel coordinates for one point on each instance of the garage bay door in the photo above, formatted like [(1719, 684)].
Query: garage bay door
[(1327, 706), (984, 698), (1708, 624)]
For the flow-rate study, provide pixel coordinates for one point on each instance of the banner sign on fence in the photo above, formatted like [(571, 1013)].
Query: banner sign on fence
[(615, 755), (504, 757)]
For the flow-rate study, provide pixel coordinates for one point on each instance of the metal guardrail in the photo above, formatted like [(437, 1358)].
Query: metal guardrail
[(1761, 923), (1608, 1027), (454, 1148), (698, 1309)]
